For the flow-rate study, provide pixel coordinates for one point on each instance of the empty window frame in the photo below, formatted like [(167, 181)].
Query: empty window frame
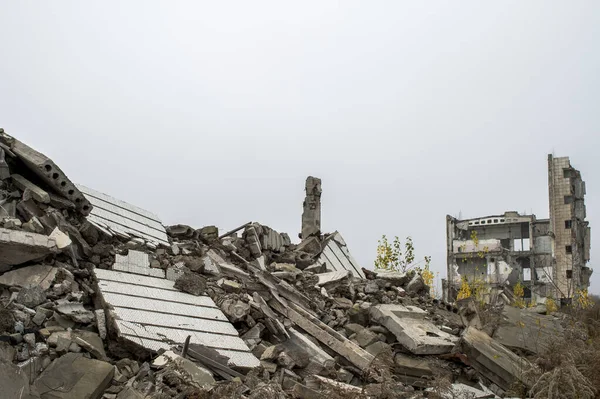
[(569, 273), (568, 224), (569, 249)]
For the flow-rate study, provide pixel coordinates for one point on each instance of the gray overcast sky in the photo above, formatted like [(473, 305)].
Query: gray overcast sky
[(215, 112)]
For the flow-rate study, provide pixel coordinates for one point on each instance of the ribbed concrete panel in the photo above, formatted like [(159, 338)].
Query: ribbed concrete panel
[(146, 292), (338, 258), (178, 335), (150, 312), (136, 262), (163, 306), (124, 218), (239, 359), (134, 279)]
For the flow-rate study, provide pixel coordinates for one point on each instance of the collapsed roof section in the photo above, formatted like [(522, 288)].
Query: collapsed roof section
[(117, 217), (150, 312), (46, 170)]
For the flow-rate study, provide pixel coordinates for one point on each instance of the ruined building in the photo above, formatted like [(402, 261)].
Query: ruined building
[(548, 256)]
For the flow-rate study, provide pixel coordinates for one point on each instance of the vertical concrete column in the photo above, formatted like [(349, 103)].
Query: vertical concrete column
[(311, 216)]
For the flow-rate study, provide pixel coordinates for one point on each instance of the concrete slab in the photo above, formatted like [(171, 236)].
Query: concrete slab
[(124, 219), (337, 257), (18, 247), (14, 382), (136, 262), (493, 360), (73, 376), (332, 277), (50, 173), (150, 312), (36, 275), (526, 330), (408, 324)]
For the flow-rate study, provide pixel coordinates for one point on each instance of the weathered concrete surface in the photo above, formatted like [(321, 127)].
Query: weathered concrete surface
[(23, 184), (311, 216), (493, 360), (411, 329), (14, 383), (18, 247), (526, 330), (48, 171), (36, 275), (73, 376), (200, 376)]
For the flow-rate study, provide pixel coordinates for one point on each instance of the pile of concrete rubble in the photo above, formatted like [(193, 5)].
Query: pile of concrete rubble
[(99, 300)]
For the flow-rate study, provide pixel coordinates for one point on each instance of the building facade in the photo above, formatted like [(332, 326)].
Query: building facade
[(548, 257)]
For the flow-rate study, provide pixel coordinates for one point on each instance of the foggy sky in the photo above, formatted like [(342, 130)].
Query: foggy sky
[(215, 112)]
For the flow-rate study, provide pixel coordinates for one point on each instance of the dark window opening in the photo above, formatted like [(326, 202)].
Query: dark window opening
[(483, 222), (569, 249), (568, 224), (568, 199), (476, 222), (495, 220), (567, 173), (569, 273)]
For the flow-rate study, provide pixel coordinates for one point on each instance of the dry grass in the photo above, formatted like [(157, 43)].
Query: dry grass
[(568, 368)]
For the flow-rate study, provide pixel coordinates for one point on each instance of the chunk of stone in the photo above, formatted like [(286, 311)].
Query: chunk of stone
[(13, 382), (199, 376), (410, 328), (101, 323), (76, 312), (415, 285), (371, 288), (18, 247), (129, 393), (191, 283), (235, 310), (398, 279), (365, 338), (12, 223), (31, 296), (73, 376), (62, 240), (208, 234), (378, 347), (52, 175), (34, 226), (493, 360), (7, 352), (23, 184)]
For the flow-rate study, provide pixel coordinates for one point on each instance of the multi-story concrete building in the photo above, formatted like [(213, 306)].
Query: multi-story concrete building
[(548, 256)]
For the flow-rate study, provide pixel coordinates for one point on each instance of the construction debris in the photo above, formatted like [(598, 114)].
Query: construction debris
[(99, 300)]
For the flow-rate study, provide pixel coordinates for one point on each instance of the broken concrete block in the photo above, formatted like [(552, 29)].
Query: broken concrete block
[(14, 382), (469, 313), (199, 376), (366, 337), (411, 329), (371, 288), (378, 347), (493, 360), (12, 223), (180, 231), (7, 353), (76, 312), (208, 234), (191, 283), (416, 285), (332, 277), (527, 331), (4, 169), (62, 240), (51, 174), (73, 376), (23, 184), (398, 279), (31, 296), (136, 262), (235, 310), (17, 247), (36, 275), (35, 226)]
